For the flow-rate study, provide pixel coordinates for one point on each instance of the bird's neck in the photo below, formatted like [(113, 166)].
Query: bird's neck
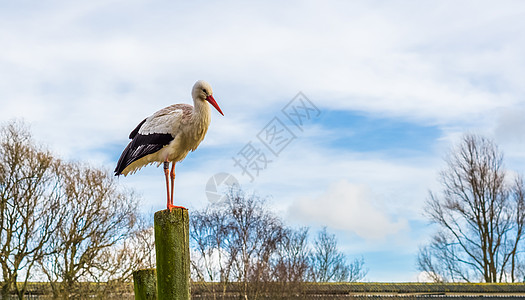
[(201, 112)]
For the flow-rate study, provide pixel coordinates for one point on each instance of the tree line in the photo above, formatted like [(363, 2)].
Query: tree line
[(62, 222), (240, 240), (68, 223)]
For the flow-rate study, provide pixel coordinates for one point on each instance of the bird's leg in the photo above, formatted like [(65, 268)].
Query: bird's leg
[(172, 174), (166, 173)]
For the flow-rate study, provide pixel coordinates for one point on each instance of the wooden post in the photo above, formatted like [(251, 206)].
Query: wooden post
[(145, 284), (173, 254)]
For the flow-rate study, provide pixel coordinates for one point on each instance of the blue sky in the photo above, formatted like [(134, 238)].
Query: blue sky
[(396, 83)]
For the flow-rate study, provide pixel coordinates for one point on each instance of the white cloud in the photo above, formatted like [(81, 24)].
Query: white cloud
[(428, 277), (348, 207), (510, 126), (382, 58)]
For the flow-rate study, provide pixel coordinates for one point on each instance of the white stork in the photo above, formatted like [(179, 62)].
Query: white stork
[(168, 135)]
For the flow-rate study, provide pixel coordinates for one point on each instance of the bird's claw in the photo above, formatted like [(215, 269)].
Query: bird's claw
[(170, 207)]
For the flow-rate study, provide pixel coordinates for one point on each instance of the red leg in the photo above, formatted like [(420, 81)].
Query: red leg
[(166, 173), (172, 173)]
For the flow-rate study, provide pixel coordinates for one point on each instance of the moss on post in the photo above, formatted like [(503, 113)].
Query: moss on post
[(145, 284), (173, 254)]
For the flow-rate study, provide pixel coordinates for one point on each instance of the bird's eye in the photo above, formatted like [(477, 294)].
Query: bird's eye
[(204, 90)]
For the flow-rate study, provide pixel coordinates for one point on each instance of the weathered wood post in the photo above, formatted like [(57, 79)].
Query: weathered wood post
[(145, 284), (173, 254)]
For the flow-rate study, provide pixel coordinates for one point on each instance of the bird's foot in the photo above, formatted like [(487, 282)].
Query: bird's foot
[(170, 207)]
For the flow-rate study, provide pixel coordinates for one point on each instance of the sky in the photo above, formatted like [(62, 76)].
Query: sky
[(341, 112)]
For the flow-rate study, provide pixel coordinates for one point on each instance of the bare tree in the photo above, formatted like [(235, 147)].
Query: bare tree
[(328, 264), (235, 241), (210, 232), (137, 251), (242, 241), (64, 221), (142, 247), (116, 264), (28, 205), (95, 216), (256, 235), (480, 214), (292, 262)]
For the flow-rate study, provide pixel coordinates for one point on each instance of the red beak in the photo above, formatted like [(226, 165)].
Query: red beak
[(214, 103)]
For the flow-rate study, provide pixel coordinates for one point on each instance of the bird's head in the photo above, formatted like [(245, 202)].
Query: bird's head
[(202, 92)]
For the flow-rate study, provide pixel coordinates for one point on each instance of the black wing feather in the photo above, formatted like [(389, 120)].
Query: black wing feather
[(140, 146), (136, 130)]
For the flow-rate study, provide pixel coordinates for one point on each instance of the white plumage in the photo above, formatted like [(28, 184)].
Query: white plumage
[(168, 135)]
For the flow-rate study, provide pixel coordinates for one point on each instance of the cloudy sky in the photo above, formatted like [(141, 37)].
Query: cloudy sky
[(387, 88)]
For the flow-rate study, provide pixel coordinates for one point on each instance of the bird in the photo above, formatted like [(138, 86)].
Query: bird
[(169, 135)]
